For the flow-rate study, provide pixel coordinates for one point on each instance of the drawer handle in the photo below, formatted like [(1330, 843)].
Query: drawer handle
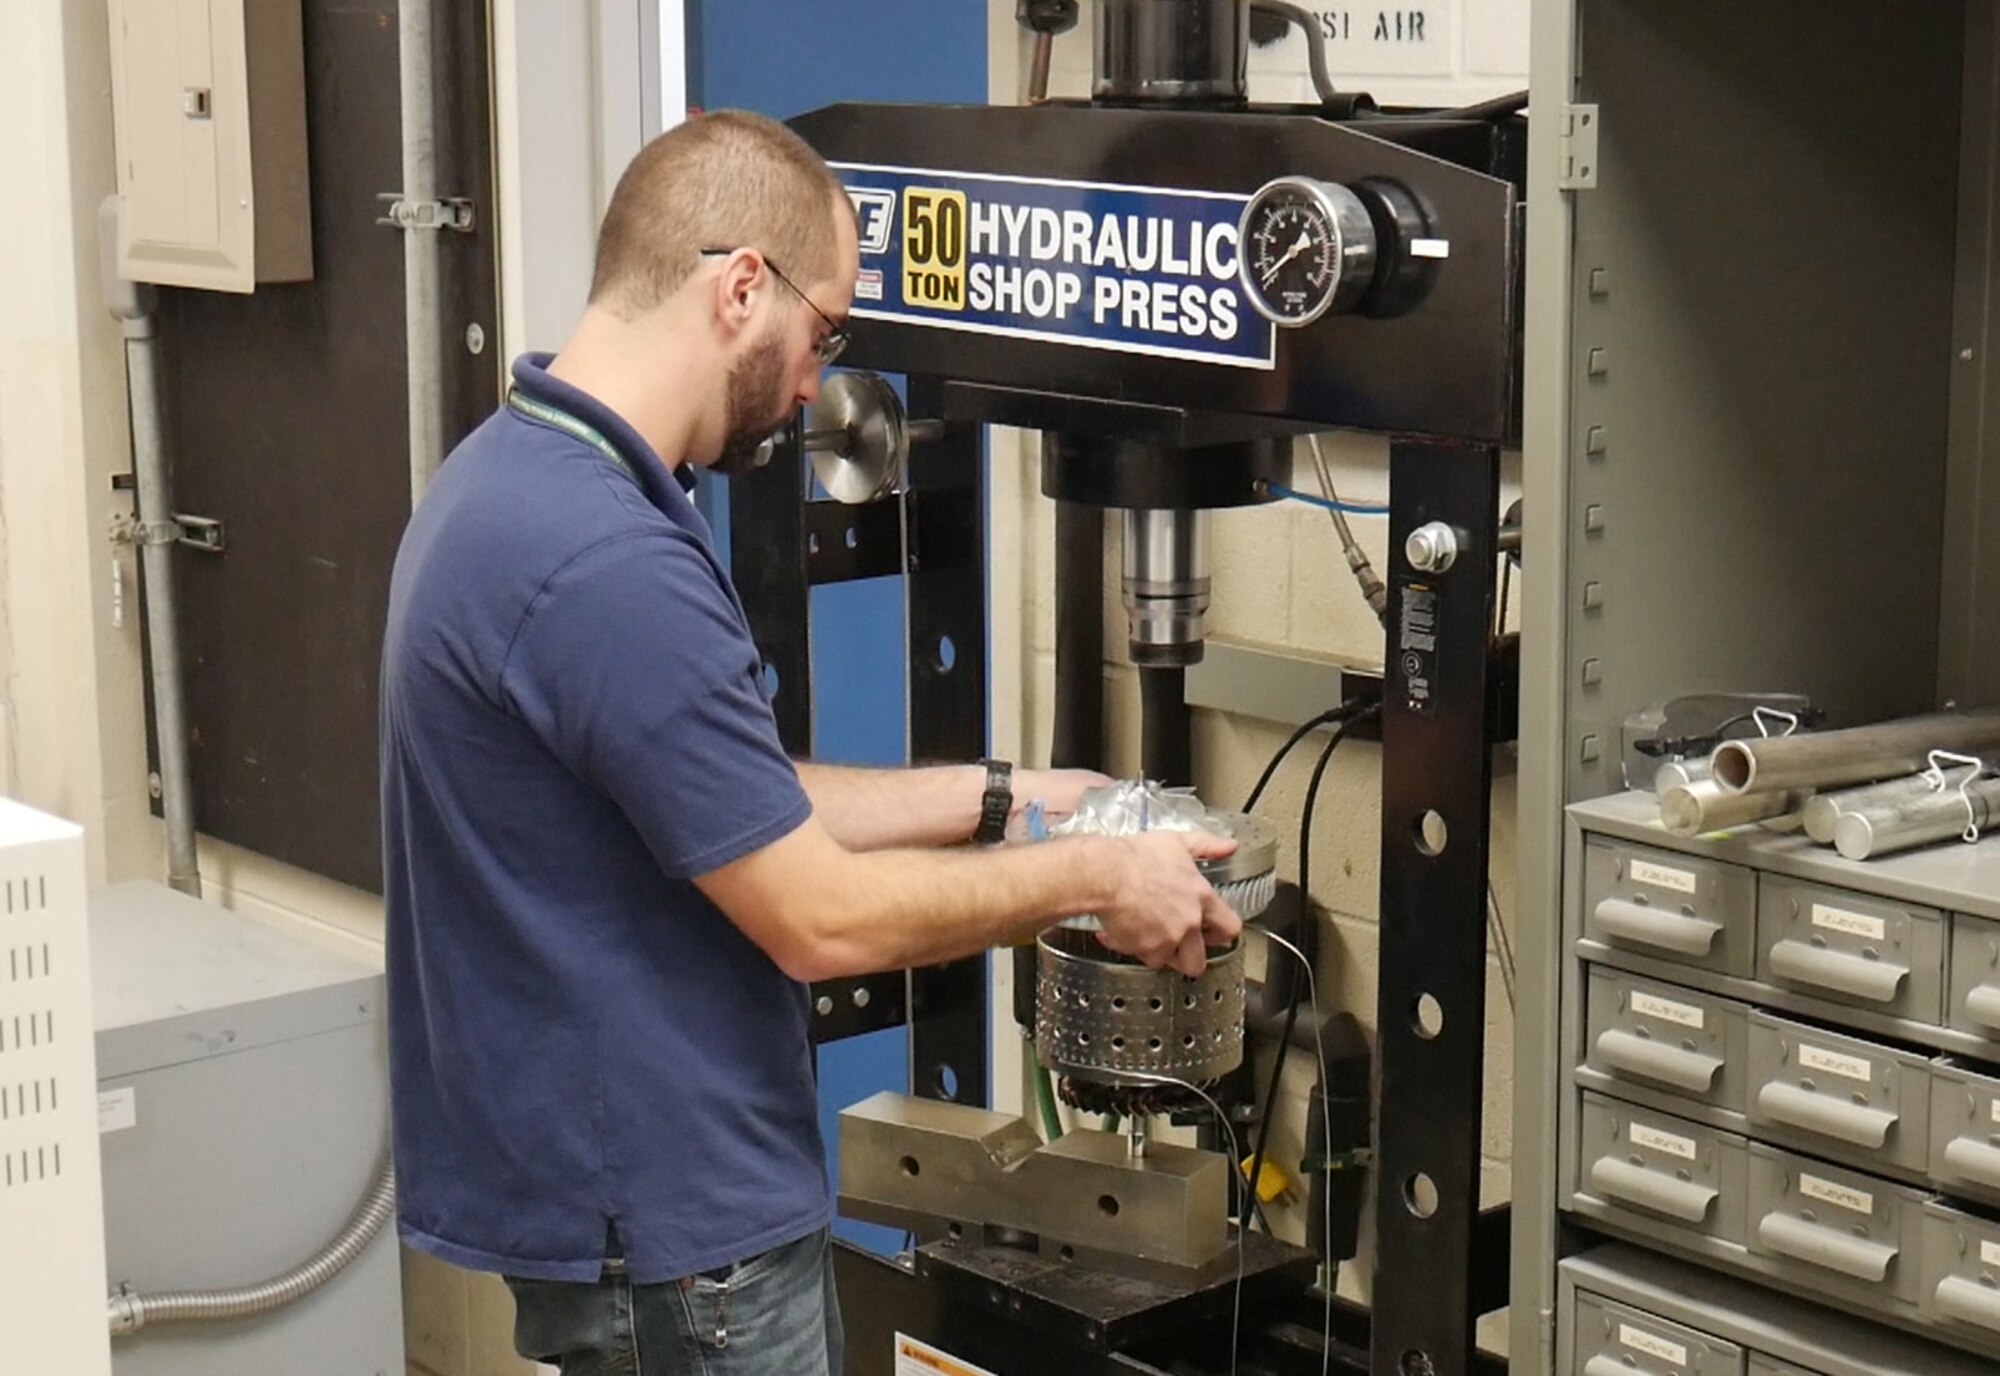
[(1602, 1365), (1982, 1005), (1620, 1179), (1817, 1246), (1689, 936), (1967, 1301), (1971, 1159), (1835, 970), (1670, 1065), (1829, 1117)]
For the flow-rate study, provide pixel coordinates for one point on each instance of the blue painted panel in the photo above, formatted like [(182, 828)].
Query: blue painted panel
[(782, 58)]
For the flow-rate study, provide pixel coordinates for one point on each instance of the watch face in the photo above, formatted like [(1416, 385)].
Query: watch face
[(1291, 252)]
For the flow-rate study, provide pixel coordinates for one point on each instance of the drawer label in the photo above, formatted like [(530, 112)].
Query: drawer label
[(1850, 924), (1639, 1340), (1652, 1139), (1840, 1196), (1989, 1253), (117, 1109), (1833, 1063), (1663, 877), (1996, 1108), (1666, 1010)]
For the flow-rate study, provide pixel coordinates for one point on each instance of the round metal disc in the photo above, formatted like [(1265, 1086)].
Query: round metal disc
[(867, 463)]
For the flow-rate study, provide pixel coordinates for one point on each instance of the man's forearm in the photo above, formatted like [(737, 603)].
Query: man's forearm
[(880, 809), (923, 907)]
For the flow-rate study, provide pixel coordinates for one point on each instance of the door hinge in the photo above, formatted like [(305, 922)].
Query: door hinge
[(451, 212), (1579, 148)]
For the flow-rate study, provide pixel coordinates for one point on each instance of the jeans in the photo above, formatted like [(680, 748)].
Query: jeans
[(774, 1315)]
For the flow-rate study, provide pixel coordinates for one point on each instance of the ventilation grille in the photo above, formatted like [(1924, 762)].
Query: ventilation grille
[(51, 1208)]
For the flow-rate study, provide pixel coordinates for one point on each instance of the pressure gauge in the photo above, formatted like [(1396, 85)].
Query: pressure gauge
[(1305, 247)]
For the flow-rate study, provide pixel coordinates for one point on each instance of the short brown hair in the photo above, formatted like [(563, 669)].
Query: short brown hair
[(728, 179)]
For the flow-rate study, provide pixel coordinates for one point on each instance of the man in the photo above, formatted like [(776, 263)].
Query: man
[(606, 884)]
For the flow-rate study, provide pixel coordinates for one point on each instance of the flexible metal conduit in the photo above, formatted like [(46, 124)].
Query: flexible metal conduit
[(130, 1312)]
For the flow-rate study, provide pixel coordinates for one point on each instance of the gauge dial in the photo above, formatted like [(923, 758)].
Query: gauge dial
[(1306, 247)]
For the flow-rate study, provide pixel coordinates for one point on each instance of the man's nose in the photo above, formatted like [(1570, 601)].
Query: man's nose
[(809, 389)]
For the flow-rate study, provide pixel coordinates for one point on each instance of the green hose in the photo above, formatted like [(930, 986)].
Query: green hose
[(1045, 1095)]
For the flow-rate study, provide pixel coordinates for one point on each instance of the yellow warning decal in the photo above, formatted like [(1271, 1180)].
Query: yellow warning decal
[(934, 226), (915, 1358)]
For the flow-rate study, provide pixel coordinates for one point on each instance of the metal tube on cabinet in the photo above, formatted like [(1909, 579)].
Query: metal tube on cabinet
[(1824, 811), (1864, 754), (1702, 806), (1938, 815), (1680, 773)]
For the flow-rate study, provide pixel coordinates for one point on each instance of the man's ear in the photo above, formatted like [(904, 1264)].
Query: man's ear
[(734, 288)]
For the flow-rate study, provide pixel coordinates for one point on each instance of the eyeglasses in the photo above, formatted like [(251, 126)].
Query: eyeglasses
[(831, 344)]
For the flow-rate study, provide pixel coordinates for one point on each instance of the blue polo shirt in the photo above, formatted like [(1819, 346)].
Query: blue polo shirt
[(574, 725)]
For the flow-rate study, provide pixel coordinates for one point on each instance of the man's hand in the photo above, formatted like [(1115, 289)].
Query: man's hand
[(1164, 912), (1058, 790)]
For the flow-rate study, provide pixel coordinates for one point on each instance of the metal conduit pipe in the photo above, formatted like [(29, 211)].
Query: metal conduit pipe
[(422, 339), (130, 1311), (131, 304)]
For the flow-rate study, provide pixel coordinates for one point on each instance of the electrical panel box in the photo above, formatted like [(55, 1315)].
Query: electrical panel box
[(51, 1215), (208, 99), (244, 1107)]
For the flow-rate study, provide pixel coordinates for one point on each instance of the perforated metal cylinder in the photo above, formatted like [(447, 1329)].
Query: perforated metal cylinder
[(1104, 1019)]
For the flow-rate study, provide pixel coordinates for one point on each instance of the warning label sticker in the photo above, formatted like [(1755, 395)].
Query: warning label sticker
[(1133, 269), (915, 1358)]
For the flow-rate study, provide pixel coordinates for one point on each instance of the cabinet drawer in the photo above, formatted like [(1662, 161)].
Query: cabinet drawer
[(1833, 1229), (1670, 907), (1961, 1270), (1974, 1004), (1965, 1132), (1664, 1168), (1660, 1036), (1838, 1096), (1617, 1340), (1850, 948)]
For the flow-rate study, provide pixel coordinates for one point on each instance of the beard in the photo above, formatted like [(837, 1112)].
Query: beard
[(757, 406)]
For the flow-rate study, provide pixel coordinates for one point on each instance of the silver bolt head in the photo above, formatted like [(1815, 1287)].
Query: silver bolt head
[(1432, 548)]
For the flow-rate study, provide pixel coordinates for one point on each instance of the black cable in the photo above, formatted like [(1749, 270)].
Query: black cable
[(1305, 893), (1500, 107), (1337, 714), (1322, 77)]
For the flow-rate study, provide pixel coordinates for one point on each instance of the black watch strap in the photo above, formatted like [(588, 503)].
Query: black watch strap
[(997, 802)]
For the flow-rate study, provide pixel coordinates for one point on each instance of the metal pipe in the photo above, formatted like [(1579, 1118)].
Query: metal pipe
[(131, 304), (130, 1311), (1824, 811), (422, 339), (1865, 754), (157, 533), (1678, 773), (1166, 728), (1038, 74), (1692, 809), (1936, 815)]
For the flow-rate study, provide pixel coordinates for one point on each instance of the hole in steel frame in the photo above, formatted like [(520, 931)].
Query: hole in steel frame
[(1432, 834), (910, 1167), (1428, 1017), (1420, 1194), (947, 1082)]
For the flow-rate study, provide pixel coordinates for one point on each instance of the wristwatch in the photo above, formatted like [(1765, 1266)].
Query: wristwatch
[(996, 803)]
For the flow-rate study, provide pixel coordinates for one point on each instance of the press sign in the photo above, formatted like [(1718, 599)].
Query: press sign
[(1132, 269)]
